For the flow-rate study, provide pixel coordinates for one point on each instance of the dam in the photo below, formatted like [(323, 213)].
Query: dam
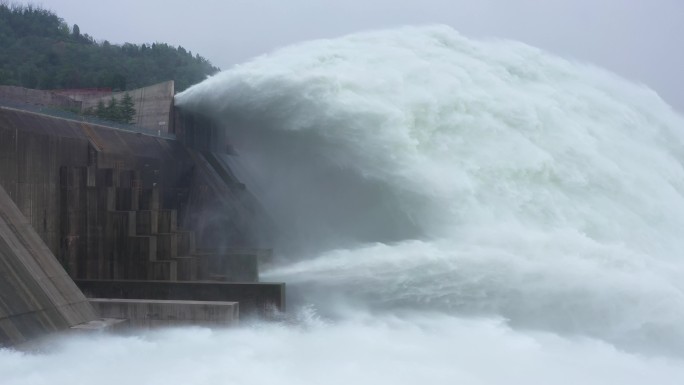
[(445, 210), (104, 224)]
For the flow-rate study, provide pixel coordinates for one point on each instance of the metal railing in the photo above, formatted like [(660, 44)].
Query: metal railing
[(64, 114)]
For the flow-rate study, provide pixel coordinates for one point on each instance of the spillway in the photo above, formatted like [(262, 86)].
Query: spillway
[(447, 210)]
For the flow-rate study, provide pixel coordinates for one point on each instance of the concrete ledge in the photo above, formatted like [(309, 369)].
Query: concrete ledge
[(102, 324), (148, 313), (254, 298)]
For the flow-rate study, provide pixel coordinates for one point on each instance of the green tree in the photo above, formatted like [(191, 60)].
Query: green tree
[(101, 110), (113, 111), (38, 49), (127, 109)]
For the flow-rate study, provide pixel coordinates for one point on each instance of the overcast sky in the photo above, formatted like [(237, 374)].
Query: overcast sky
[(639, 39)]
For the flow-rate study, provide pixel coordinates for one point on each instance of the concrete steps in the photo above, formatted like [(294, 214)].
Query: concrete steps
[(132, 236)]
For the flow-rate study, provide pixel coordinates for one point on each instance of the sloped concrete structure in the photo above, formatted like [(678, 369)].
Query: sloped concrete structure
[(37, 296)]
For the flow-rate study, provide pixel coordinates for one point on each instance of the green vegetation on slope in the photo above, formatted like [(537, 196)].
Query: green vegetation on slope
[(119, 112), (39, 50)]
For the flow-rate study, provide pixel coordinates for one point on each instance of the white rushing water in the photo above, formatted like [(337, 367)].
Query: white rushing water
[(449, 211)]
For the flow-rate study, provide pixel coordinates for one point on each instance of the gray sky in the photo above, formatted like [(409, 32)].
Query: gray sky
[(638, 39)]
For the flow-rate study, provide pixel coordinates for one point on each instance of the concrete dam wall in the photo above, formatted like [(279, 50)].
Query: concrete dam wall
[(37, 296), (102, 199), (107, 206)]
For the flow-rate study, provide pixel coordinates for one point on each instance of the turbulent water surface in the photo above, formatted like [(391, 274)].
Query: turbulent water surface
[(448, 211)]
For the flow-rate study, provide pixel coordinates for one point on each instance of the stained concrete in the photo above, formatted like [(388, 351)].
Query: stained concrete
[(153, 105), (115, 204), (148, 313), (37, 97), (36, 294), (87, 188), (102, 325), (254, 298)]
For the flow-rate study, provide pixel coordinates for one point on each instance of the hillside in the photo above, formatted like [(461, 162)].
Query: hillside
[(39, 50)]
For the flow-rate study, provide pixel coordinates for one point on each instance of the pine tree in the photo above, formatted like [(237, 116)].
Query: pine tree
[(127, 108), (100, 110), (112, 111), (39, 50)]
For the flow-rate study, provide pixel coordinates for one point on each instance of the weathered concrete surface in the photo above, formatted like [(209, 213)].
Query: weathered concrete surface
[(37, 97), (254, 298), (112, 204), (153, 105), (81, 94), (36, 294), (87, 189), (149, 313), (69, 179), (32, 149), (101, 325), (199, 132)]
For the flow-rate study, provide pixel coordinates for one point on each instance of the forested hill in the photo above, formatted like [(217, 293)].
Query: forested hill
[(39, 50)]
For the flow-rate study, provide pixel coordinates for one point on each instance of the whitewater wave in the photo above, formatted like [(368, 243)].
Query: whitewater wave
[(497, 179), (366, 350), (452, 133)]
